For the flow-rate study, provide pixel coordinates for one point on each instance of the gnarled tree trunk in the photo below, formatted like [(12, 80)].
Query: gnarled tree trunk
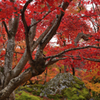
[(10, 78)]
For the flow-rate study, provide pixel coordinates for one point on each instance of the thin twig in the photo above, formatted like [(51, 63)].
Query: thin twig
[(40, 19)]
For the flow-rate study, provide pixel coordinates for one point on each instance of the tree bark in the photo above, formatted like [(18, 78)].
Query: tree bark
[(10, 78)]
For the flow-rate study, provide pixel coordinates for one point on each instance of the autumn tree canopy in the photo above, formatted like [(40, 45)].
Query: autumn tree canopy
[(26, 28)]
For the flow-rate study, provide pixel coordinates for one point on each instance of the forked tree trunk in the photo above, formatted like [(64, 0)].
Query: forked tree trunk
[(10, 78)]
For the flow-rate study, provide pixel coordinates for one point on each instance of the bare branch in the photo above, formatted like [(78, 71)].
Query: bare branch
[(13, 22), (17, 70), (24, 59), (26, 4), (6, 27), (54, 60), (23, 15), (71, 49), (43, 16), (81, 36), (10, 47), (42, 36), (27, 29), (92, 59), (79, 58), (15, 82), (32, 32), (40, 19), (54, 28)]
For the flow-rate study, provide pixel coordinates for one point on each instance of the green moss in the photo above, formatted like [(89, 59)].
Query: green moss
[(36, 92), (38, 86), (77, 86), (67, 92), (21, 88), (85, 93), (78, 81), (81, 97), (76, 94), (29, 89), (74, 90), (25, 88), (55, 97), (59, 95), (26, 96), (74, 97), (35, 89)]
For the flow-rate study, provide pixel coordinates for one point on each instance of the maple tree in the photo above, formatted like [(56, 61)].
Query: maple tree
[(26, 28)]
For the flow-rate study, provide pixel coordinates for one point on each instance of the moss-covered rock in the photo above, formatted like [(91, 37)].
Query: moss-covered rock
[(63, 85), (68, 86), (26, 96)]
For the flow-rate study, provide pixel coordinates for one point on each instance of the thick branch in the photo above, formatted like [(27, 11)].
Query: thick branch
[(10, 48), (13, 22), (52, 61), (32, 32), (9, 59), (24, 59), (27, 29), (23, 15), (54, 28), (17, 70), (26, 4), (15, 82), (42, 36), (81, 36)]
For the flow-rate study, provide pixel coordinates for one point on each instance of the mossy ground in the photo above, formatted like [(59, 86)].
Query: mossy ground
[(28, 93), (32, 92), (26, 96)]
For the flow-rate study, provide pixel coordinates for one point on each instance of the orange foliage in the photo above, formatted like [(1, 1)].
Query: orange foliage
[(92, 78)]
